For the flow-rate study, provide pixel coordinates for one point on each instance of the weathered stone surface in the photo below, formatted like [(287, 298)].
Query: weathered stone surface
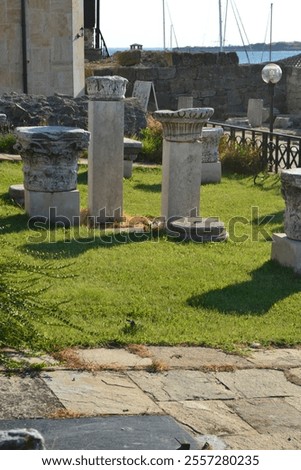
[(294, 375), (268, 415), (207, 417), (277, 441), (26, 397), (178, 385), (209, 144), (291, 190), (276, 358), (50, 155), (99, 393), (114, 358), (21, 439), (286, 251), (197, 358), (62, 110), (258, 383), (109, 88)]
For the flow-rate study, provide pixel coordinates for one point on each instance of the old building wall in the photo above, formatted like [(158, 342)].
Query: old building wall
[(54, 47)]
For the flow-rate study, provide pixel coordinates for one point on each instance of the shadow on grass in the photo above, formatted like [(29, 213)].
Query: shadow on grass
[(13, 223), (74, 246), (149, 188), (269, 284), (82, 177)]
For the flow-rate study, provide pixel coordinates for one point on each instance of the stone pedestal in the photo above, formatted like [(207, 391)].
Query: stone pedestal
[(286, 247), (105, 160), (255, 112), (131, 149), (181, 163), (50, 155), (211, 166)]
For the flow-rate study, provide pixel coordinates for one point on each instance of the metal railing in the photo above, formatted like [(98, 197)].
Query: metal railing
[(277, 151)]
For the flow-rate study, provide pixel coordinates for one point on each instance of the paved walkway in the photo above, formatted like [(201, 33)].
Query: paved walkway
[(251, 402)]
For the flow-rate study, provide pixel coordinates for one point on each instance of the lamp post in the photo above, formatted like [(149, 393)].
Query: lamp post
[(271, 74)]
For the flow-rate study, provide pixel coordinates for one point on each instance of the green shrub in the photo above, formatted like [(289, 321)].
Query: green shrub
[(152, 139), (241, 158), (7, 142)]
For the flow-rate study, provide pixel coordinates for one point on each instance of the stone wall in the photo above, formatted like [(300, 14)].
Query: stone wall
[(54, 47), (214, 80)]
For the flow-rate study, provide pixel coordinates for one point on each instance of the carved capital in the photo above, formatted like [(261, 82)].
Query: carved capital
[(107, 88), (183, 125), (50, 155)]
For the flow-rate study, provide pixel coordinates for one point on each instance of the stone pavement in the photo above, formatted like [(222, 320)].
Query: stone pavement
[(235, 402)]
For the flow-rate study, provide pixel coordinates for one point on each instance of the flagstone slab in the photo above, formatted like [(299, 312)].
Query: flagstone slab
[(112, 358), (279, 441), (207, 417), (26, 397), (294, 375), (268, 415), (197, 358), (276, 358), (255, 383), (99, 393), (180, 385)]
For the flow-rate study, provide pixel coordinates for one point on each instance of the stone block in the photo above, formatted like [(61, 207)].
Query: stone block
[(255, 107), (211, 172), (286, 251), (62, 207)]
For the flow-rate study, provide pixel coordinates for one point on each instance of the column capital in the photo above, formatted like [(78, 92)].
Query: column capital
[(183, 125), (107, 88), (49, 155)]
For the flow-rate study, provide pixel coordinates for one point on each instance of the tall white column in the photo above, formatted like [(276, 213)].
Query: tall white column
[(105, 160)]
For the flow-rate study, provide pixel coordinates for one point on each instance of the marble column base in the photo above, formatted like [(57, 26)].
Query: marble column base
[(211, 172), (286, 251), (61, 207)]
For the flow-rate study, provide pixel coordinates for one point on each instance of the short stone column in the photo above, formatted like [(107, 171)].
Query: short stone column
[(181, 162), (131, 150), (105, 160), (255, 112), (211, 166), (286, 247), (50, 155)]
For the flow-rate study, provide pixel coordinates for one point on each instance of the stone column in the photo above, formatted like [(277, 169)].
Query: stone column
[(50, 155), (105, 161), (286, 247), (255, 112), (211, 166), (181, 167)]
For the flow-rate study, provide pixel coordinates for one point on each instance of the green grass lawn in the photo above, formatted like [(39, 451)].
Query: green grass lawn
[(225, 295)]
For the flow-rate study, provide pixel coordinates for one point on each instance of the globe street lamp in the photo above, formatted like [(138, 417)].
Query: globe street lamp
[(271, 74)]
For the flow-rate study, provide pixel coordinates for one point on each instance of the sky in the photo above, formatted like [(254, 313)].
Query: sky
[(196, 22)]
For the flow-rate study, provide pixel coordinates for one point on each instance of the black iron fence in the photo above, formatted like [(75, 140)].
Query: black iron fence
[(277, 151)]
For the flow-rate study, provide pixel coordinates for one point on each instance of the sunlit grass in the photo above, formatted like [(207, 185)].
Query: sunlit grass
[(225, 295)]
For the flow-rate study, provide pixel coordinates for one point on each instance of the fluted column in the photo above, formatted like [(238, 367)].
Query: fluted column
[(105, 161)]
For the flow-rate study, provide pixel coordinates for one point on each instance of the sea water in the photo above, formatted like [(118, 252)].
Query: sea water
[(252, 57)]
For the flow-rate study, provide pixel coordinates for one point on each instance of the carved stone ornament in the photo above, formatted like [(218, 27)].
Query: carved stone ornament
[(291, 191), (50, 155), (107, 88), (183, 125), (210, 142)]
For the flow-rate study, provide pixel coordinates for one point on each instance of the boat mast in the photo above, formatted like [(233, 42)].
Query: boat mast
[(271, 32), (221, 46), (164, 43)]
